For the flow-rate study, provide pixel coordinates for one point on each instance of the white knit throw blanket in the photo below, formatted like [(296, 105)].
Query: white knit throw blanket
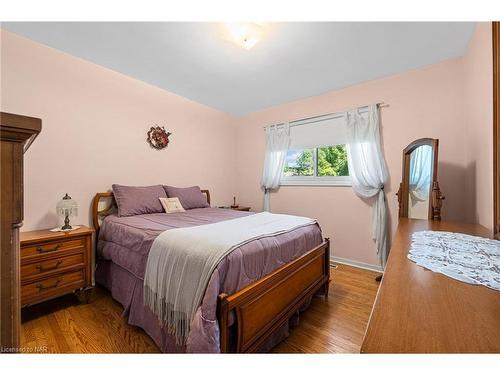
[(181, 262)]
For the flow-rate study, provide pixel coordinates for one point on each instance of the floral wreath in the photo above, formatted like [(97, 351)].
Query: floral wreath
[(158, 137)]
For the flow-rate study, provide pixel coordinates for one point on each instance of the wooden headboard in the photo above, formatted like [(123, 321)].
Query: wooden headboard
[(99, 214)]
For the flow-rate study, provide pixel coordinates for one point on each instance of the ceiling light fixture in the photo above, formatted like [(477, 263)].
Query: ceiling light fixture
[(245, 35)]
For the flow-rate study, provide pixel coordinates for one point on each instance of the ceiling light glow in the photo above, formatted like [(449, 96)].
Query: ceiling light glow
[(245, 35)]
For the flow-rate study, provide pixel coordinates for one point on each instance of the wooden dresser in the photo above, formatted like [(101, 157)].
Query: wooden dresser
[(55, 263), (16, 133), (420, 311)]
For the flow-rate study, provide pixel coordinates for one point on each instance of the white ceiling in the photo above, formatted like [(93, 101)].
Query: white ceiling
[(293, 61)]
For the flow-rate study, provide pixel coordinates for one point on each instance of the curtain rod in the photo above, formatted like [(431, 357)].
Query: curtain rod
[(333, 114)]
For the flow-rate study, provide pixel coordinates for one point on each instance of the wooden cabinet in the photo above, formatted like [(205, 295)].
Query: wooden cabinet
[(55, 263), (16, 134), (496, 128)]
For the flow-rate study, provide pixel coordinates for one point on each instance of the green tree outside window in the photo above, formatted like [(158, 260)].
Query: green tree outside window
[(331, 161)]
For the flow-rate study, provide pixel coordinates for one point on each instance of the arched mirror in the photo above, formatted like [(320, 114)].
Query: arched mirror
[(419, 195)]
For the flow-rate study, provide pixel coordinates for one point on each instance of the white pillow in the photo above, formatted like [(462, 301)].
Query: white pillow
[(171, 205)]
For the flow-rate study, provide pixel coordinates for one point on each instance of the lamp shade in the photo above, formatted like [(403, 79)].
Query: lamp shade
[(67, 207)]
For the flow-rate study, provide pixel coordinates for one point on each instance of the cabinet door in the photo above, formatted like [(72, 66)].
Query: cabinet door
[(11, 219)]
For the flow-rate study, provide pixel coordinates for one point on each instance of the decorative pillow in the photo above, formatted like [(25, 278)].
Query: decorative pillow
[(190, 197), (172, 205), (136, 200)]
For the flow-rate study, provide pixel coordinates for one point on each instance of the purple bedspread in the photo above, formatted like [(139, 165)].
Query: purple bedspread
[(124, 244)]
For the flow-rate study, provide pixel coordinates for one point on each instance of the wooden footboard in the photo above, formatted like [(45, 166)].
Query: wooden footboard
[(265, 305)]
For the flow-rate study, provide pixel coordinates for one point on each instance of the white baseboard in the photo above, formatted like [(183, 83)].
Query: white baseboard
[(355, 263)]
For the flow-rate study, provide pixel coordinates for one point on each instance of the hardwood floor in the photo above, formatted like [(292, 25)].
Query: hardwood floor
[(338, 324), (63, 325)]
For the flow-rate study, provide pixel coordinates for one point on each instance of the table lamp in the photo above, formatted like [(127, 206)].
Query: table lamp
[(67, 208)]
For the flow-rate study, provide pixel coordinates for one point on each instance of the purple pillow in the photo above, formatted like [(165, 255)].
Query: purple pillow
[(136, 200), (190, 197)]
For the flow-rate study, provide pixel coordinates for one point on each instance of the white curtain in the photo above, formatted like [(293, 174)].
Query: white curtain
[(277, 143), (420, 174), (368, 170)]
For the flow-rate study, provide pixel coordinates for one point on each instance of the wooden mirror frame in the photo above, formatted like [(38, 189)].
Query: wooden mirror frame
[(435, 196)]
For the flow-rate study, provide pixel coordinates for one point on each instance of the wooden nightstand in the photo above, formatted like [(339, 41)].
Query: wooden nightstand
[(239, 208), (55, 263)]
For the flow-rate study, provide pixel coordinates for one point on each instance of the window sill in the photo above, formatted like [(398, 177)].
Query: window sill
[(316, 182)]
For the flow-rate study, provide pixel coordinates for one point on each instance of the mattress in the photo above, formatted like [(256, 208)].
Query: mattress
[(126, 241)]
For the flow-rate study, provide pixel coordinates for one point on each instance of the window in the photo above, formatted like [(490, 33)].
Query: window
[(317, 166), (317, 154)]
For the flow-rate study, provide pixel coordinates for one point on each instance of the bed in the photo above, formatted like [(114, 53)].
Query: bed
[(252, 297)]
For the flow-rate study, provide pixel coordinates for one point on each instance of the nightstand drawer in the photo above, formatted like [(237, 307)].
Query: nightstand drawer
[(52, 248), (52, 286), (46, 267)]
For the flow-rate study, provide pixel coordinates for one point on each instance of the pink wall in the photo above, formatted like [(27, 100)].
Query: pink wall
[(423, 103), (94, 127), (95, 120), (478, 116)]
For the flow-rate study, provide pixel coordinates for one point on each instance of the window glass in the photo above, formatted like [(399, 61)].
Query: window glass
[(299, 163), (332, 161)]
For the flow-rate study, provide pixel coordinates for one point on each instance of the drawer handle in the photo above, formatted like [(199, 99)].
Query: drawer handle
[(41, 268), (42, 250), (43, 287)]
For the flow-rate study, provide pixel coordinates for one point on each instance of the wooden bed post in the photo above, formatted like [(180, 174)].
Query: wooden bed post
[(222, 313), (326, 287)]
